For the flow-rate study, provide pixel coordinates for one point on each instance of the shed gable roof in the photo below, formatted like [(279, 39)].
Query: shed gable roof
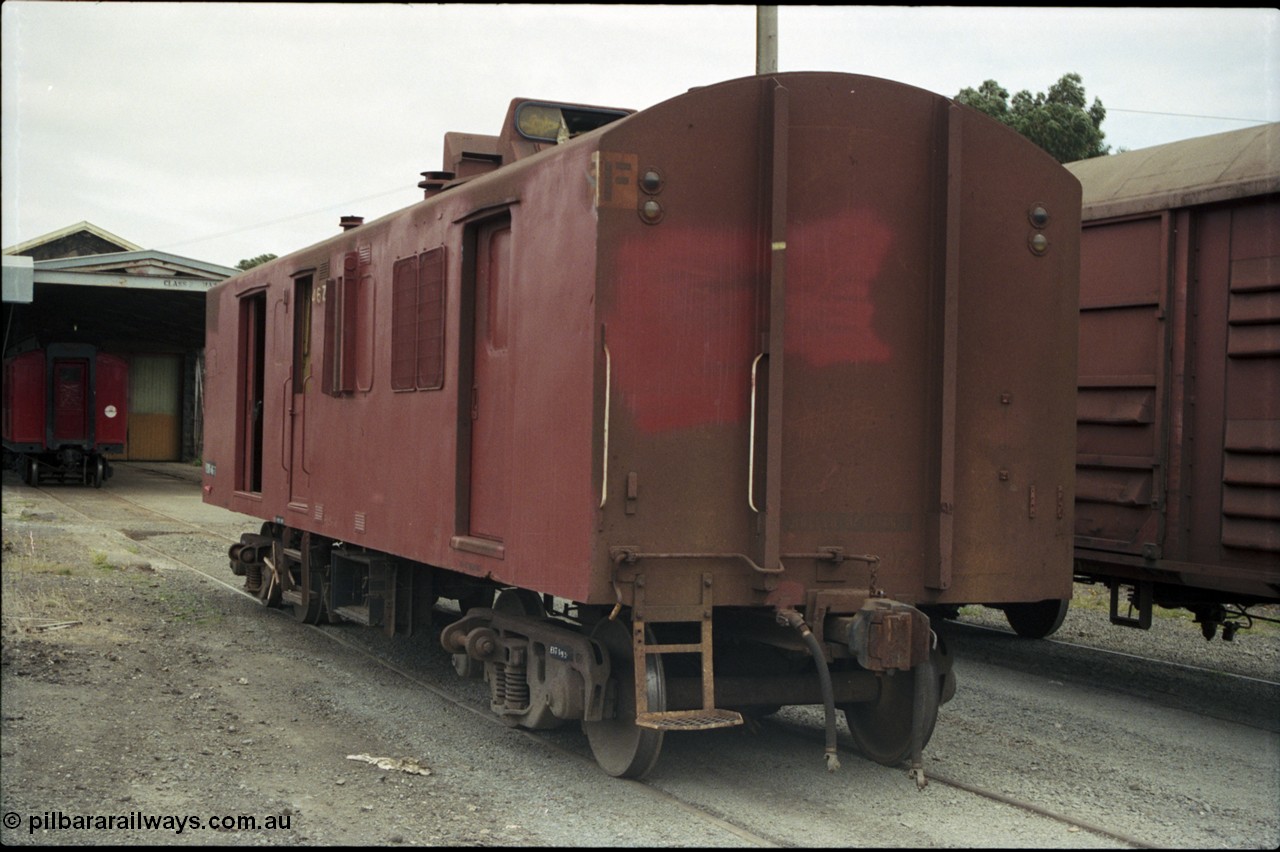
[(82, 238)]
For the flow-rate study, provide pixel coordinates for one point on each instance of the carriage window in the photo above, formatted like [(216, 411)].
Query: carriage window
[(417, 330), (558, 122), (348, 303), (404, 323), (301, 332)]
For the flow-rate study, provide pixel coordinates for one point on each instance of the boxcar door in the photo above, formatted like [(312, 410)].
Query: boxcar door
[(1123, 392), (300, 381), (70, 400), (250, 390), (491, 409)]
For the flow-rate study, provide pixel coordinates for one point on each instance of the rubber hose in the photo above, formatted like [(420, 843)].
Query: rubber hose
[(795, 620)]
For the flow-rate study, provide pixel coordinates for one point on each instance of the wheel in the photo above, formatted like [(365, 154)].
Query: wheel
[(621, 747), (33, 472), (475, 599), (882, 728), (519, 602), (99, 471), (1036, 620)]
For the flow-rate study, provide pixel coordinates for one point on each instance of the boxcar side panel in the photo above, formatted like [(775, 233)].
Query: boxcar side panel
[(1179, 411), (1124, 349), (1235, 422)]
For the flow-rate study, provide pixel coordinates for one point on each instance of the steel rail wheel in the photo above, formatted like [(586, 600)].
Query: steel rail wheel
[(520, 602), (882, 728), (1036, 620), (621, 747)]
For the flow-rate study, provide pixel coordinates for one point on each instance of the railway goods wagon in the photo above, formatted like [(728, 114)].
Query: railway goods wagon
[(1178, 478), (65, 407), (714, 395)]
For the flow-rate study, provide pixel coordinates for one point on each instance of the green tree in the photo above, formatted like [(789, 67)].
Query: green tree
[(1059, 121), (250, 263)]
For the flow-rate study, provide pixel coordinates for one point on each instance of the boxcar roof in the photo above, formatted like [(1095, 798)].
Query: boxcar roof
[(1221, 167)]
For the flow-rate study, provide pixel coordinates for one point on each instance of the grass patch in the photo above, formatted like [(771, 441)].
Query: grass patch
[(16, 506), (103, 562), (33, 590)]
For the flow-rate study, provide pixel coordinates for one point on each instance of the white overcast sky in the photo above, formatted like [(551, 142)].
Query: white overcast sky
[(221, 131)]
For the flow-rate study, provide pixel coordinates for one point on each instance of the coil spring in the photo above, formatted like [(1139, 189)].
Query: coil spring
[(253, 577), (498, 685), (517, 685)]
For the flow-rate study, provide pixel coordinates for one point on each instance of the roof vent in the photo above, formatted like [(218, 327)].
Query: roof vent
[(434, 182), (349, 222)]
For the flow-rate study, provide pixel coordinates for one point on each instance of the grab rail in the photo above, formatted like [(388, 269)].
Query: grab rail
[(751, 449), (604, 472)]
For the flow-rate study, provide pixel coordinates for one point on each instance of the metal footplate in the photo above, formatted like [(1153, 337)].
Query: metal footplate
[(689, 720), (704, 718)]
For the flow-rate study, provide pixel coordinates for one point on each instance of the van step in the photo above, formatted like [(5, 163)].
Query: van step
[(689, 720), (358, 614)]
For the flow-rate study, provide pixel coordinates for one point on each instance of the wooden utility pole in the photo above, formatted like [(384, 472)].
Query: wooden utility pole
[(766, 39)]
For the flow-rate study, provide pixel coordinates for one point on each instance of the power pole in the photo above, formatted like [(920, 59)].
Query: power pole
[(766, 39)]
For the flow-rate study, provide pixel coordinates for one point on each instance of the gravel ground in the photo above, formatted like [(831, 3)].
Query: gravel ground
[(134, 687), (1173, 637)]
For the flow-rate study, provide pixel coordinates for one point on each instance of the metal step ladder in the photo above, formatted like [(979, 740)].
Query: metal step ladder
[(703, 719)]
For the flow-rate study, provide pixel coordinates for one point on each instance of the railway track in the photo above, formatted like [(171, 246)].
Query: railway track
[(86, 505), (148, 526)]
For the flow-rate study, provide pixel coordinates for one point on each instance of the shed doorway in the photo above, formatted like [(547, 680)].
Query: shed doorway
[(155, 408)]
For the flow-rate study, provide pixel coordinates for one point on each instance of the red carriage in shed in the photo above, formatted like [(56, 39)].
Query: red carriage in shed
[(65, 408)]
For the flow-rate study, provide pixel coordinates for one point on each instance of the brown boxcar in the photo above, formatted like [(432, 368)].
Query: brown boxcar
[(715, 394), (65, 407), (1178, 478)]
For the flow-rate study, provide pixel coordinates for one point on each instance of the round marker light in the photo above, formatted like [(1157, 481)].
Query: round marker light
[(651, 181), (651, 212), (1039, 244), (1039, 216)]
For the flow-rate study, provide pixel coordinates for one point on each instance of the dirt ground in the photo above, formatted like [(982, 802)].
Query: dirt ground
[(140, 703), (131, 691)]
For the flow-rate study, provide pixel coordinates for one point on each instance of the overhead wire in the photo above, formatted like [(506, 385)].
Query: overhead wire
[(389, 192), (289, 218)]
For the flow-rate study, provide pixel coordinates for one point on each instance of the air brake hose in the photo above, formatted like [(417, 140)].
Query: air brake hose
[(795, 620)]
